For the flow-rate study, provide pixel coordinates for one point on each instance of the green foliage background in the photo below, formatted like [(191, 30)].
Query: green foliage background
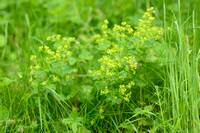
[(162, 86)]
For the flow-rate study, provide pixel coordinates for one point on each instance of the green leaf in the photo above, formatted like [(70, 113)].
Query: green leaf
[(2, 40), (67, 69), (128, 126), (72, 93), (6, 81), (86, 55), (83, 130), (87, 87), (3, 113), (41, 74), (67, 121), (103, 46), (74, 127), (72, 60), (74, 121)]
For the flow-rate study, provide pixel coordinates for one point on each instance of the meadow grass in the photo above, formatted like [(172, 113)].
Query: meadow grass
[(167, 89)]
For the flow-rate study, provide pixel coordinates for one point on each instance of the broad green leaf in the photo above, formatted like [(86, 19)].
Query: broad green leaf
[(67, 121), (83, 130), (74, 127), (128, 126), (72, 93), (41, 74), (103, 46), (86, 55), (72, 60), (74, 121), (6, 81), (67, 69)]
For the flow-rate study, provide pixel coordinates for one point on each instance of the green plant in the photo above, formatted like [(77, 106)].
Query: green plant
[(123, 48), (56, 66)]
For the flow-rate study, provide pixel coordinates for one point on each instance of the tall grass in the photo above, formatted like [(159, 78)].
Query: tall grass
[(182, 78)]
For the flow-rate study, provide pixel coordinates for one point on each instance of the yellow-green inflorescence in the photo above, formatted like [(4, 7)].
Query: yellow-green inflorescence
[(115, 75), (52, 67)]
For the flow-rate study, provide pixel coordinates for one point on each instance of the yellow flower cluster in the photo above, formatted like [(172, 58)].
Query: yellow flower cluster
[(56, 79), (87, 91), (105, 91), (145, 30), (101, 110), (59, 53), (53, 37), (32, 57), (120, 44), (123, 90), (114, 50), (125, 28), (115, 61)]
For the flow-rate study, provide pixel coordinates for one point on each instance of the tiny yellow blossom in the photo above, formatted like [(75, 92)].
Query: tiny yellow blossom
[(101, 110), (33, 57), (40, 48), (44, 83), (123, 23), (48, 38), (68, 53), (106, 21), (58, 36), (37, 67), (169, 28), (102, 117), (30, 80), (92, 122)]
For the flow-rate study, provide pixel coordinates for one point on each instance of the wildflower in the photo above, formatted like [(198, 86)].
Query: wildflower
[(106, 21), (31, 72), (104, 27), (102, 117), (55, 78), (44, 83), (92, 122), (106, 90), (34, 84), (58, 36), (169, 28), (70, 39), (30, 80), (33, 57), (37, 67), (48, 38), (89, 71), (67, 77), (68, 53), (123, 23), (101, 110), (88, 92), (40, 48)]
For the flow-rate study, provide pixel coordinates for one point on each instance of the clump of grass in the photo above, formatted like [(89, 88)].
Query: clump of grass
[(182, 78)]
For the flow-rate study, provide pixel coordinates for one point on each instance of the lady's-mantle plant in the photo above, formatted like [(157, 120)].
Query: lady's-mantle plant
[(123, 49), (56, 66)]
